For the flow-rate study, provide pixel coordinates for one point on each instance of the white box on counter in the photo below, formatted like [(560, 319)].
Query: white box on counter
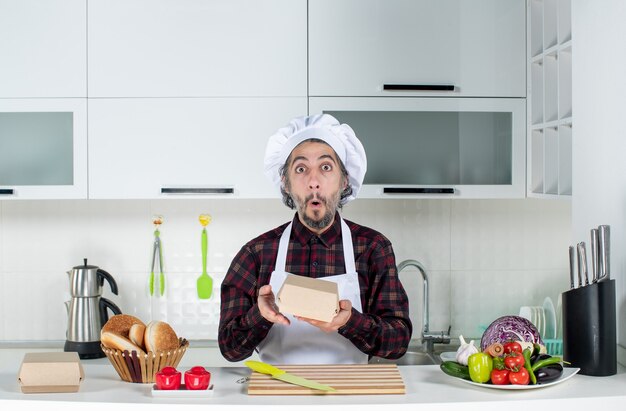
[(49, 372)]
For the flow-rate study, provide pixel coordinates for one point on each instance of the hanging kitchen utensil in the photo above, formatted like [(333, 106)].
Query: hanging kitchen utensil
[(205, 282), (157, 255)]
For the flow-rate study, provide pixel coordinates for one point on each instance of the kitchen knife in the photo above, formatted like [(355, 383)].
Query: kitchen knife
[(279, 374), (583, 259), (582, 263), (604, 252), (572, 264), (594, 255)]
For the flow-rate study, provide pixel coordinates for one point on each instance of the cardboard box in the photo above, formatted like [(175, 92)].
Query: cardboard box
[(309, 297), (46, 372)]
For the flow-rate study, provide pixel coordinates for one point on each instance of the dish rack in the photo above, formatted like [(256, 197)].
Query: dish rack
[(554, 346)]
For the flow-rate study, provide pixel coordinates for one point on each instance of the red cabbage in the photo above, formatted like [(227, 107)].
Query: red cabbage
[(510, 328)]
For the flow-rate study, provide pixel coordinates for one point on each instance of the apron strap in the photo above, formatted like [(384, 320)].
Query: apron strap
[(348, 251), (346, 237), (283, 246)]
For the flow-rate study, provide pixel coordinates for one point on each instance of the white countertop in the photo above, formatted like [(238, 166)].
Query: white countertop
[(426, 386)]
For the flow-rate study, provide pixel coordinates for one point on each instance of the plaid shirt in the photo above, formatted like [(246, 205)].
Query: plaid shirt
[(383, 328)]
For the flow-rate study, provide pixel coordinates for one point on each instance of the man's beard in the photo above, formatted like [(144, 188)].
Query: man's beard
[(331, 204)]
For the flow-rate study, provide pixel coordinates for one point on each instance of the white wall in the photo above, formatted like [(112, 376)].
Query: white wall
[(599, 134), (485, 258)]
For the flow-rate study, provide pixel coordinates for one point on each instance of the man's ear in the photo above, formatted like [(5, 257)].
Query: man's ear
[(283, 185)]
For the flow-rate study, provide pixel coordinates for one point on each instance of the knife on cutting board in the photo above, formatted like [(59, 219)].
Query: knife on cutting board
[(282, 375)]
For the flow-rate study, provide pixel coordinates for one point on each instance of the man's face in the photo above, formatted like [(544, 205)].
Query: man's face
[(315, 183)]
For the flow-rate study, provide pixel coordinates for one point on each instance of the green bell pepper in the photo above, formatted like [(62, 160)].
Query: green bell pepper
[(480, 366)]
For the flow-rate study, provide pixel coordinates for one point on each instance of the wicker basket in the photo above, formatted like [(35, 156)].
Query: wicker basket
[(140, 368)]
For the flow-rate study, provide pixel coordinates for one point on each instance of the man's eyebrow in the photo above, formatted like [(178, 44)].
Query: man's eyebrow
[(323, 156)]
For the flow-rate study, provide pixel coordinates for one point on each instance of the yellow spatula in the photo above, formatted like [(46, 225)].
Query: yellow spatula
[(205, 282)]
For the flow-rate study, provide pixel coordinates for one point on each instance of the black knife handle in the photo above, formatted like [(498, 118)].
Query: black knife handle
[(6, 191)]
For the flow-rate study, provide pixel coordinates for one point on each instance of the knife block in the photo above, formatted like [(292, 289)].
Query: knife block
[(589, 328)]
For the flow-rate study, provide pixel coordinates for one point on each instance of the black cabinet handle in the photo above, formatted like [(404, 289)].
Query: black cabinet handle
[(6, 191), (419, 87), (412, 190), (207, 190)]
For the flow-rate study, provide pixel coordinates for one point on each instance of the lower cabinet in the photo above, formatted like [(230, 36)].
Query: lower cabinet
[(184, 147)]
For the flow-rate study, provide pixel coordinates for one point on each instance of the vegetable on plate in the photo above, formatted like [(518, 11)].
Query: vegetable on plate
[(465, 350), (480, 366), (455, 369)]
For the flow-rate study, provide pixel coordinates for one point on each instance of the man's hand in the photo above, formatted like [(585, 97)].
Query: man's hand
[(338, 321), (268, 308)]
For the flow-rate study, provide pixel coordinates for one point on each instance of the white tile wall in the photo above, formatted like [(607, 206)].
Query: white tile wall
[(483, 258)]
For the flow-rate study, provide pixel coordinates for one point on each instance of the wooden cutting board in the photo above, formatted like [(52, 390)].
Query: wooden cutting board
[(345, 379)]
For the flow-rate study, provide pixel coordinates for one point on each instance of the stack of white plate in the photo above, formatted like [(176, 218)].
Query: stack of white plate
[(543, 317)]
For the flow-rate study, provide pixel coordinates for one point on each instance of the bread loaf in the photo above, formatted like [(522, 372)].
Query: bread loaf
[(121, 324), (113, 340), (136, 334), (159, 336)]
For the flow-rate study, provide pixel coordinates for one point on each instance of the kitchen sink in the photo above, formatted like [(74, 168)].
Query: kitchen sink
[(410, 358), (415, 356)]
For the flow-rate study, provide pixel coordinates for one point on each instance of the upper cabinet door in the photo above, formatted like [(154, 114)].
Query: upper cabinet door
[(43, 148), (197, 48), (43, 48), (183, 147), (468, 48)]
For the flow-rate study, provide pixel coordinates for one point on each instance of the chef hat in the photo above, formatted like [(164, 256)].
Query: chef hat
[(324, 127)]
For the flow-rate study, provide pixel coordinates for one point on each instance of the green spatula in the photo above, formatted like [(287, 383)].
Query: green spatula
[(205, 282)]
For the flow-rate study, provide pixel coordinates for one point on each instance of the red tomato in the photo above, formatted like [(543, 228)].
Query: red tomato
[(512, 346), (500, 377), (520, 377), (514, 361)]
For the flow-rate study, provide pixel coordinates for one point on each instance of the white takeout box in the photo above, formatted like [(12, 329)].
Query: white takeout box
[(309, 297), (47, 372)]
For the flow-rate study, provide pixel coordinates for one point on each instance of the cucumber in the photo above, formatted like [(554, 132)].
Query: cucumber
[(455, 369)]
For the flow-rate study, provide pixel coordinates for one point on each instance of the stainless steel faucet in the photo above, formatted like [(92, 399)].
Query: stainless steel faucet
[(429, 338)]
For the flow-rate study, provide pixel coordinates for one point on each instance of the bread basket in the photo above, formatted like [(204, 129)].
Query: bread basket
[(140, 368)]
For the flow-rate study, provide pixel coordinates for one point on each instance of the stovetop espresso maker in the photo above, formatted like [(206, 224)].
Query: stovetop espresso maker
[(87, 311)]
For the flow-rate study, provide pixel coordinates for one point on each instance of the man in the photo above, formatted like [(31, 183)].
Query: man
[(318, 165)]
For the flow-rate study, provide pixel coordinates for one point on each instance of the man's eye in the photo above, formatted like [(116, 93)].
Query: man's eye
[(327, 167), (299, 169)]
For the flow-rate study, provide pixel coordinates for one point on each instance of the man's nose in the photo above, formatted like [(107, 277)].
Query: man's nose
[(314, 182)]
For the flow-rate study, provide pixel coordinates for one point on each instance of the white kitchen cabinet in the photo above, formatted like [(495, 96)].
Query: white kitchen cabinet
[(420, 147), (183, 148), (197, 48), (550, 99), (43, 148), (43, 48), (357, 46)]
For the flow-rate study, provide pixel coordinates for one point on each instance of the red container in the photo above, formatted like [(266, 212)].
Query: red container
[(197, 378), (168, 379)]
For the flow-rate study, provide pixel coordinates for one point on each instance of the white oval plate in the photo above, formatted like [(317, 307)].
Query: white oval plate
[(567, 374), (448, 356), (548, 308)]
